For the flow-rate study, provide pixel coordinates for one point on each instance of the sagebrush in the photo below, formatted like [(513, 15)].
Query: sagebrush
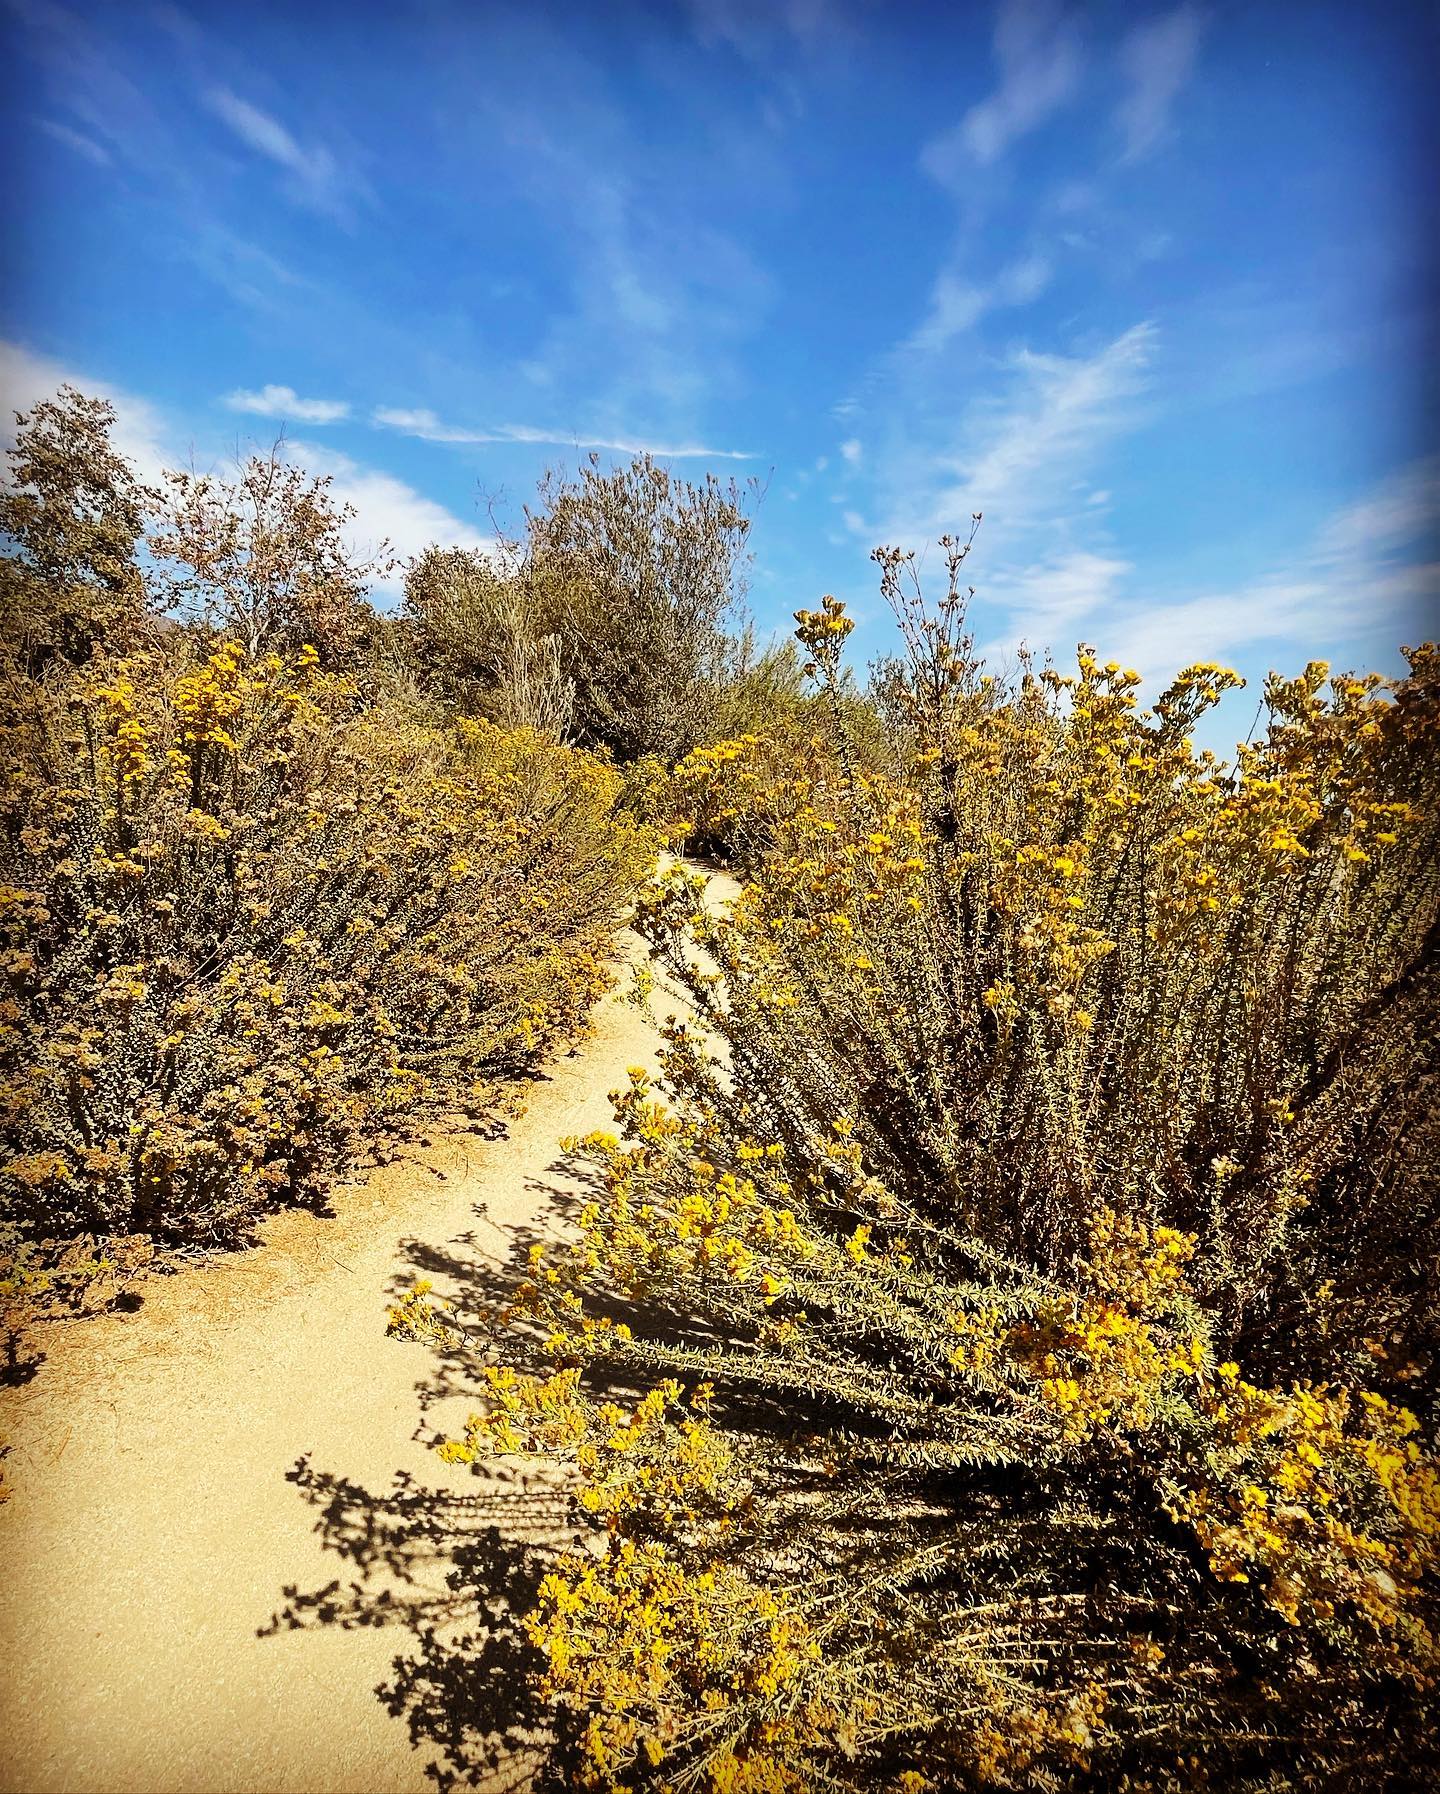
[(248, 923), (257, 909), (1000, 1353)]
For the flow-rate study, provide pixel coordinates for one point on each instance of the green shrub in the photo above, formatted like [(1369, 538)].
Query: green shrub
[(1022, 1265), (606, 623), (488, 637), (249, 924), (644, 570)]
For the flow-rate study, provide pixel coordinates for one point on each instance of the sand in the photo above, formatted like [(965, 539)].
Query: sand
[(154, 1529)]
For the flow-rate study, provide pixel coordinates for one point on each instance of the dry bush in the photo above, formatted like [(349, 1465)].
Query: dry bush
[(256, 909), (606, 623), (770, 735), (249, 923), (261, 558), (1021, 1279), (488, 638), (72, 512), (643, 570)]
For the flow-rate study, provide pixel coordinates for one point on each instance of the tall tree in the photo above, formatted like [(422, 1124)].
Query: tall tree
[(74, 514)]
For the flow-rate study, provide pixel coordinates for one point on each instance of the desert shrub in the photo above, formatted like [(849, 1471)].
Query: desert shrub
[(723, 798), (720, 799), (1001, 1351), (605, 623), (759, 687), (487, 634), (249, 923), (642, 570)]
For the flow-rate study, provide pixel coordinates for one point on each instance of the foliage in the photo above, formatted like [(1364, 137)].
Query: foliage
[(721, 797), (257, 906), (487, 635), (1018, 1276), (647, 568), (606, 623), (249, 923), (73, 512), (262, 559), (762, 688)]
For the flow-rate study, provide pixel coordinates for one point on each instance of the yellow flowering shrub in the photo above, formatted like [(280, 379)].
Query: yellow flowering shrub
[(1027, 1254), (247, 923)]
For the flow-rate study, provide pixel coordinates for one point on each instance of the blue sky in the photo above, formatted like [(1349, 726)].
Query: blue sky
[(1148, 287)]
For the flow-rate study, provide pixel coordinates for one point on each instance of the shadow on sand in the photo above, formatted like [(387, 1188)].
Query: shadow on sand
[(458, 1572), (453, 1572)]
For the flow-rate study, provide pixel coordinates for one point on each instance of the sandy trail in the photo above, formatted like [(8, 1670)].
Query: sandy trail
[(153, 1528)]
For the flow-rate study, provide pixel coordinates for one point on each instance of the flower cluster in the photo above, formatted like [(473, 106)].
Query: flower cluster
[(1022, 1245), (249, 924)]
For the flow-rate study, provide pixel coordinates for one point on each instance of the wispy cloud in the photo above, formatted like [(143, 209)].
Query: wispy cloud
[(1157, 58), (1381, 546), (1403, 510), (317, 179), (103, 88), (78, 142), (87, 81), (1050, 598), (851, 449), (285, 402), (1019, 452), (1038, 50), (957, 305), (783, 42), (429, 428), (1024, 452), (752, 26)]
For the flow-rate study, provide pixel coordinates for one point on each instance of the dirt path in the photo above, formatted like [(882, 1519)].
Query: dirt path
[(154, 1530)]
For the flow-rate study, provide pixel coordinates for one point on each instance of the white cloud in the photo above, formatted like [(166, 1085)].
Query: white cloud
[(1048, 600), (264, 134), (429, 428), (1316, 609), (851, 449), (317, 180), (1312, 604), (1101, 497), (387, 510), (27, 378), (285, 402), (1157, 59), (1023, 281), (1400, 511), (750, 25), (956, 305), (1021, 452), (1038, 50), (424, 424), (778, 39), (77, 141)]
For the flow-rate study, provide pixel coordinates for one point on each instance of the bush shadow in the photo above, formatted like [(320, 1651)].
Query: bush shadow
[(458, 1571), (453, 1571)]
